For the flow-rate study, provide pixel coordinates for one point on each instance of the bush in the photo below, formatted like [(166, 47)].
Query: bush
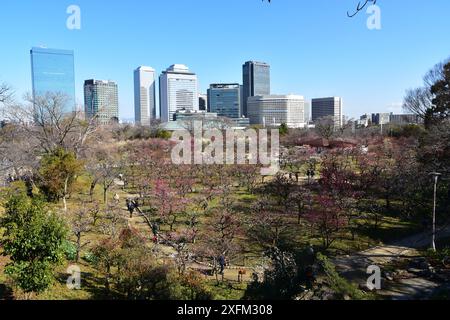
[(132, 272), (90, 258), (163, 134), (70, 250), (407, 131), (440, 257), (281, 281), (57, 173), (284, 130), (33, 238), (341, 287)]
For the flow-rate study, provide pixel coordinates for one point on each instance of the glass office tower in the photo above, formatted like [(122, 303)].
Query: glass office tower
[(225, 100), (328, 107), (256, 81), (101, 100), (52, 71)]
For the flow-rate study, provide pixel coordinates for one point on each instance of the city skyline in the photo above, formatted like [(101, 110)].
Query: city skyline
[(355, 69), (178, 92)]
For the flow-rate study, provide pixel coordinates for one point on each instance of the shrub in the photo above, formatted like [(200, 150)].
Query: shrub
[(341, 287), (33, 239), (70, 250)]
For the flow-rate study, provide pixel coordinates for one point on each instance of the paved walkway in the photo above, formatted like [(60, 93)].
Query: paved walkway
[(354, 267)]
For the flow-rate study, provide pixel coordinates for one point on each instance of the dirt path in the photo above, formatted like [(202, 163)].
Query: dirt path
[(354, 267)]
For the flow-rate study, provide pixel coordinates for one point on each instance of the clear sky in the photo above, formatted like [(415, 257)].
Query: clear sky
[(313, 48)]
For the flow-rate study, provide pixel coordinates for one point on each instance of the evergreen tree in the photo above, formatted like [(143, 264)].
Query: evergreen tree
[(33, 239)]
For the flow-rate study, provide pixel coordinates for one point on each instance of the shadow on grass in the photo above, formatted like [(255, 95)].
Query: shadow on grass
[(387, 234), (91, 284), (6, 293)]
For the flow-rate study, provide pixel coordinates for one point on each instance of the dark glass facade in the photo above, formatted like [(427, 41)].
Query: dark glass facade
[(101, 100), (225, 100), (52, 71), (256, 81)]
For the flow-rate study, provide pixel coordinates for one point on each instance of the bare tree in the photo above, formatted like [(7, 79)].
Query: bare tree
[(46, 120), (325, 127), (103, 165), (419, 100), (435, 74), (114, 220), (82, 222), (107, 169), (219, 238), (6, 93), (17, 158)]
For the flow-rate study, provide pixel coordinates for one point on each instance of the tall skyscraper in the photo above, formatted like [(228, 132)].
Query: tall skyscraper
[(101, 100), (144, 95), (225, 100), (178, 91), (256, 81), (52, 71), (328, 107), (275, 110)]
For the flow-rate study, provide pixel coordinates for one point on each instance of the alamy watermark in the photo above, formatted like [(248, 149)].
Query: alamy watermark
[(74, 20), (374, 281), (201, 146), (74, 280), (374, 19)]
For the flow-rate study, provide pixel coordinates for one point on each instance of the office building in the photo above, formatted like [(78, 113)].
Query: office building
[(52, 71), (225, 100), (307, 111), (328, 107), (242, 123), (178, 91), (364, 121), (404, 119), (381, 118), (183, 115), (256, 81), (101, 100), (144, 95), (185, 120), (275, 110), (202, 102)]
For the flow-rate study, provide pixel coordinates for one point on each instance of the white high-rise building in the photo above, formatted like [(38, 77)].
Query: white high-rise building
[(144, 95), (178, 89), (275, 110)]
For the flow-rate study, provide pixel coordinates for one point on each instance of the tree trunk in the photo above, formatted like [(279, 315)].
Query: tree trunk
[(66, 182), (92, 189), (78, 246), (107, 284), (105, 195), (174, 220)]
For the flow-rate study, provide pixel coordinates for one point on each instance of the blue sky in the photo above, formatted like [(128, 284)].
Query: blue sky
[(313, 48)]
